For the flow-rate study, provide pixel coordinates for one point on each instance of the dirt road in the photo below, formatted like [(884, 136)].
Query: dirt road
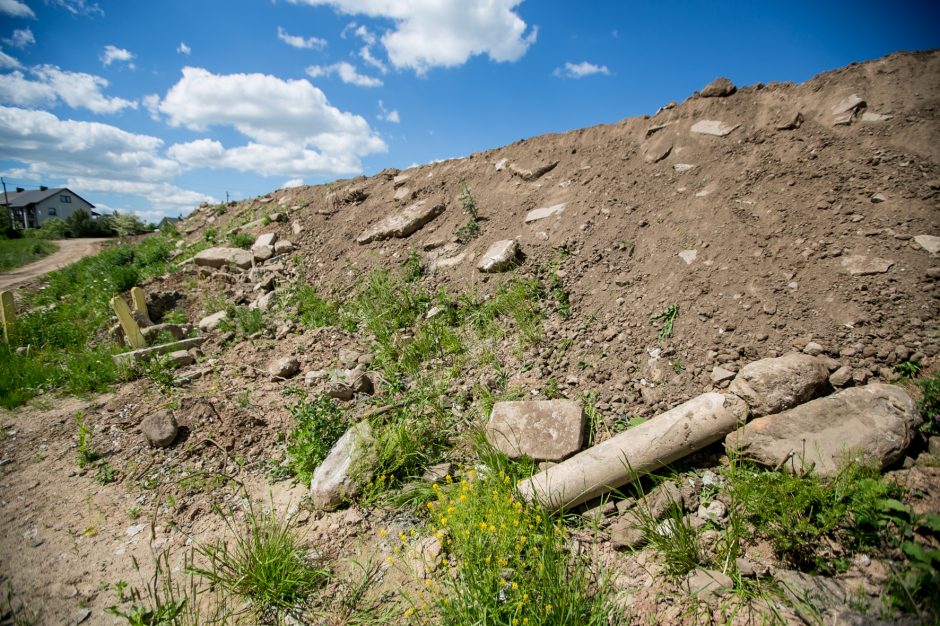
[(70, 250)]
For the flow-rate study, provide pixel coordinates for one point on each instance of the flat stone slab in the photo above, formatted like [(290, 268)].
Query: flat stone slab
[(657, 150), (546, 430), (929, 243), (220, 257), (265, 239), (688, 256), (713, 127), (136, 356), (861, 265), (500, 256), (540, 214), (774, 385), (847, 104), (533, 174), (407, 221), (874, 423), (334, 481)]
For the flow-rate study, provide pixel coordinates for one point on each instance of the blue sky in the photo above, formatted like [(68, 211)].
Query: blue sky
[(156, 106)]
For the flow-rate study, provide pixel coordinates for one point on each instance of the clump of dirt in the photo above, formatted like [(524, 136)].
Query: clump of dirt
[(799, 226)]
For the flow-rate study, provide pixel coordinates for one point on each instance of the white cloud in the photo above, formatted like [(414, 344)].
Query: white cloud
[(78, 7), (347, 73), (443, 33), (183, 48), (296, 41), (110, 54), (166, 198), (294, 131), (21, 38), (388, 116), (580, 70), (7, 62), (16, 9), (293, 182), (76, 89), (53, 147)]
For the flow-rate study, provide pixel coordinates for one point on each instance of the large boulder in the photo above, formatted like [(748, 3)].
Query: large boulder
[(718, 88), (221, 257), (403, 223), (774, 385), (344, 469), (874, 423), (546, 430)]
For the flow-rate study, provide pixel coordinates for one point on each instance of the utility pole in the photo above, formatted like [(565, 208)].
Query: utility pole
[(6, 201), (226, 197)]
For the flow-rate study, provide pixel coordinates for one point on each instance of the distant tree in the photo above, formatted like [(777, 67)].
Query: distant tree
[(6, 224), (81, 224), (126, 224)]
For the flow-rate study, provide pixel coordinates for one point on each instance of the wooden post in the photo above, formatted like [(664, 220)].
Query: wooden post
[(131, 329), (139, 302), (7, 314)]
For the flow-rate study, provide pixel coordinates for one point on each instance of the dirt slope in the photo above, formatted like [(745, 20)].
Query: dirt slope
[(766, 239)]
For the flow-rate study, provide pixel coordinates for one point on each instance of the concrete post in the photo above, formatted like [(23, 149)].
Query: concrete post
[(7, 314), (651, 445)]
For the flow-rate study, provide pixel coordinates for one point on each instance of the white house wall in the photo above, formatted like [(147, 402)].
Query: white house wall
[(62, 208)]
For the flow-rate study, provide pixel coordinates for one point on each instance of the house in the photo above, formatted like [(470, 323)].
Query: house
[(169, 221), (29, 209)]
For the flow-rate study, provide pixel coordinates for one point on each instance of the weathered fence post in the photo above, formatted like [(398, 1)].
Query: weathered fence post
[(7, 314), (131, 329)]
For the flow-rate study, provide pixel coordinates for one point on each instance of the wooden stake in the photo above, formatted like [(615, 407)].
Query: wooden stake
[(128, 323)]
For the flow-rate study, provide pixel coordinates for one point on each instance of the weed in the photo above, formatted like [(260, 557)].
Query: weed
[(318, 424), (241, 240), (313, 311), (175, 316), (929, 404), (471, 229), (159, 370), (551, 390), (908, 369), (509, 562), (86, 454), (668, 316), (412, 268), (265, 564), (672, 535), (210, 235), (677, 366), (242, 320), (104, 474), (133, 512)]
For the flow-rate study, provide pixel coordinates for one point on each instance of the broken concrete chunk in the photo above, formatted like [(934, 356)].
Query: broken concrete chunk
[(546, 430), (718, 88), (403, 223), (530, 175), (211, 322), (848, 104), (861, 265), (773, 385), (874, 423), (220, 257), (713, 127), (539, 214), (500, 256), (929, 243), (345, 468)]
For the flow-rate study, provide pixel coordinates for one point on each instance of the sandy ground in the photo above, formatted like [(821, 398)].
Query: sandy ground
[(70, 250)]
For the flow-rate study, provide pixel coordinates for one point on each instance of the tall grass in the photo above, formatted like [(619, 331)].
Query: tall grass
[(17, 252)]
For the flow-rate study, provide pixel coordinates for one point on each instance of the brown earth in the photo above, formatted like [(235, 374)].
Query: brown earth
[(777, 219)]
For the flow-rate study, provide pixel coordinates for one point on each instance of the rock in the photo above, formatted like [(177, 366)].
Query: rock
[(933, 445), (877, 198), (681, 168), (773, 385), (806, 589), (658, 150), (265, 239), (262, 253), (548, 430), (540, 214), (176, 331), (929, 243), (875, 423), (220, 257), (713, 127), (348, 465), (871, 116), (159, 429), (848, 104), (283, 247), (402, 193), (708, 584), (500, 256), (339, 390), (625, 532), (813, 349), (720, 375), (501, 164), (718, 88), (714, 511), (263, 302), (688, 256), (791, 122), (841, 377), (283, 368), (403, 223), (530, 175), (400, 180), (438, 472), (861, 265), (211, 322), (180, 358), (661, 500), (296, 227)]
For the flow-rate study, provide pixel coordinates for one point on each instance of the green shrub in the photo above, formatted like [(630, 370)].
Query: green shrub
[(318, 424), (241, 240)]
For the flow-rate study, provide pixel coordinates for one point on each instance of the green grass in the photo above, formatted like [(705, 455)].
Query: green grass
[(61, 326), (265, 564), (313, 311), (17, 252)]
